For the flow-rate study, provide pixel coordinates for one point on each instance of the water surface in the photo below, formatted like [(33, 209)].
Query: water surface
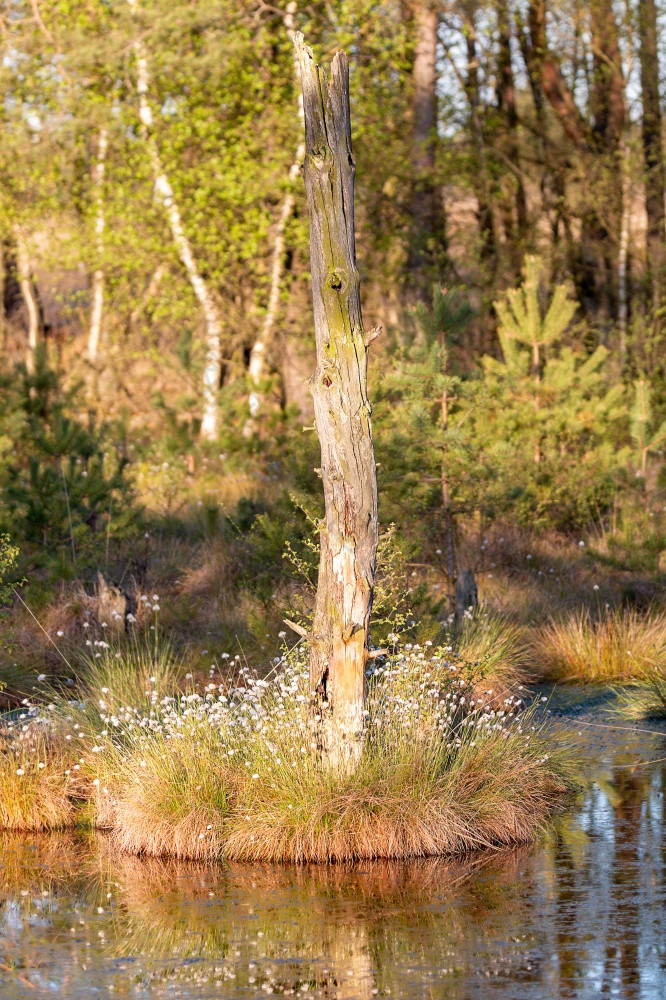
[(582, 914)]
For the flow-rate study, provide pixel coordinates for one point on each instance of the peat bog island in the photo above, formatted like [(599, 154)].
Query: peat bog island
[(332, 639)]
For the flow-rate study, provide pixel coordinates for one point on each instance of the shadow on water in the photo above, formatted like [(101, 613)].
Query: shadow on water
[(582, 914)]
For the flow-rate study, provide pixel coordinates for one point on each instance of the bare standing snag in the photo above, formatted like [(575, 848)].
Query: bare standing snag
[(348, 538)]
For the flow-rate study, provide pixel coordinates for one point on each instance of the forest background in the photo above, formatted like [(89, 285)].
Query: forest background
[(157, 333)]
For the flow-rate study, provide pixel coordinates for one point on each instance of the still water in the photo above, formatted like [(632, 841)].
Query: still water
[(582, 914)]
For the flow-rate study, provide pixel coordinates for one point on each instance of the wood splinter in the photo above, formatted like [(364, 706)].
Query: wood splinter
[(297, 628)]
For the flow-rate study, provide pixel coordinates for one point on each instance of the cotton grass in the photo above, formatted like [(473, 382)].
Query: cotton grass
[(231, 768)]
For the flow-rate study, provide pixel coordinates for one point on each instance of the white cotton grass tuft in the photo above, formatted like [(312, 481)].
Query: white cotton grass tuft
[(234, 770)]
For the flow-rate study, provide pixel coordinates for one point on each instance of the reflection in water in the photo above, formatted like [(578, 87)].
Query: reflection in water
[(580, 915)]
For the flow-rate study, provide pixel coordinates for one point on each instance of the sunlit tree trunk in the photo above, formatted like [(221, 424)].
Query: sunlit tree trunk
[(97, 310), (652, 144), (24, 274), (212, 365), (349, 534), (260, 348)]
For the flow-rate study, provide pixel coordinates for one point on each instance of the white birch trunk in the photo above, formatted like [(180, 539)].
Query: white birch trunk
[(212, 366), (259, 353), (25, 284), (97, 310)]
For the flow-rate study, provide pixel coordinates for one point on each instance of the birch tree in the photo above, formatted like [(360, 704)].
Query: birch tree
[(24, 274), (95, 331), (349, 534), (163, 187), (259, 353)]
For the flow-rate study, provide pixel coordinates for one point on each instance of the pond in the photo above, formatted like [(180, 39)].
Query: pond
[(581, 914)]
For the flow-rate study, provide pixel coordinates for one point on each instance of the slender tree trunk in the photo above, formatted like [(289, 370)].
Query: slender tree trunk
[(24, 274), (607, 102), (653, 152), (485, 214), (623, 253), (259, 353), (507, 106), (3, 285), (95, 331), (449, 526), (349, 532), (428, 237), (213, 321)]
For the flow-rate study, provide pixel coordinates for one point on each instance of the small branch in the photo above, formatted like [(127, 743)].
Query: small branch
[(374, 653), (297, 628)]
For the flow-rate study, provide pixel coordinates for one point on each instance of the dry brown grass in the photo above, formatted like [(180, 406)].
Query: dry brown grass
[(619, 646), (34, 798), (497, 649), (495, 795)]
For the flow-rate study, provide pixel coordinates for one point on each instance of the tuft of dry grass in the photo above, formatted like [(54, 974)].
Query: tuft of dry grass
[(498, 652), (490, 798), (620, 646), (173, 802), (34, 792)]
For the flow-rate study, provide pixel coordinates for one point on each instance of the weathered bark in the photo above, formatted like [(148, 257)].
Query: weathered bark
[(349, 533), (24, 273), (652, 144), (428, 237), (259, 353), (213, 320), (97, 310)]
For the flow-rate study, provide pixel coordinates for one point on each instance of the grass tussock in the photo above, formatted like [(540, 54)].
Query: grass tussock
[(498, 651), (231, 769), (619, 646)]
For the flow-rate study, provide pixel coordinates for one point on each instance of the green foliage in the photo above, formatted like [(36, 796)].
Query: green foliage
[(522, 320), (63, 485), (646, 436), (413, 395), (8, 554)]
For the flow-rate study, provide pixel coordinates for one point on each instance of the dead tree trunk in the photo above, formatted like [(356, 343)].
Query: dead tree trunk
[(348, 538)]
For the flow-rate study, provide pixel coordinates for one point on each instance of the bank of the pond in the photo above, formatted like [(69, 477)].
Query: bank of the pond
[(231, 769)]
